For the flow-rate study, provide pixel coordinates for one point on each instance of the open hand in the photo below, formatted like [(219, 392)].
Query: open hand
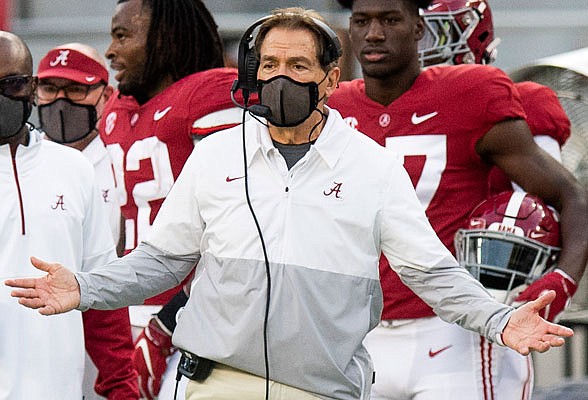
[(57, 292), (526, 331)]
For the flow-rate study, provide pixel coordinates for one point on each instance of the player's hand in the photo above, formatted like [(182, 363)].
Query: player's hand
[(152, 348), (57, 292), (564, 287), (526, 331)]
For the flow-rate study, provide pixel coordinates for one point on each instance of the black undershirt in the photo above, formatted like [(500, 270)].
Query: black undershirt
[(292, 153)]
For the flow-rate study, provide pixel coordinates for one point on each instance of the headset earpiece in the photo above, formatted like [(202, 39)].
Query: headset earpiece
[(247, 62), (332, 46)]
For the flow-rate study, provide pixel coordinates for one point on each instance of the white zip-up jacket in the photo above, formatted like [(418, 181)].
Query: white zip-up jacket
[(51, 210), (324, 224)]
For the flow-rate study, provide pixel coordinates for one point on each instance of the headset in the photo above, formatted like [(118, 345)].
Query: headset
[(248, 64)]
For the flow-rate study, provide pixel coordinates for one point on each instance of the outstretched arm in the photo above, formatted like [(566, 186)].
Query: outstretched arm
[(526, 331), (55, 293)]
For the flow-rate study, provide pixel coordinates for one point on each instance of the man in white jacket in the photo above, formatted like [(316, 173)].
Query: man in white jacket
[(50, 206)]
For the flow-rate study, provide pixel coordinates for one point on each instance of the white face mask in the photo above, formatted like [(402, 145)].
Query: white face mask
[(14, 113)]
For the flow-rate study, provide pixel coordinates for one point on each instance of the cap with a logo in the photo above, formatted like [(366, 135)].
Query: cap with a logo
[(73, 65)]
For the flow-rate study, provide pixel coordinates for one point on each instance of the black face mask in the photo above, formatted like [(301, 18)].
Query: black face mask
[(64, 121), (14, 114), (286, 102)]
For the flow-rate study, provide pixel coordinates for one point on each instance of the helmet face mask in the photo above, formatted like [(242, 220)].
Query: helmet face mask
[(510, 240), (502, 260), (458, 32)]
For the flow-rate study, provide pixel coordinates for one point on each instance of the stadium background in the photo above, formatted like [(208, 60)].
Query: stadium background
[(531, 30)]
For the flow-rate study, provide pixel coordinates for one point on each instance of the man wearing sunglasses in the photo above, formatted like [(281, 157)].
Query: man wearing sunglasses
[(73, 88), (50, 204)]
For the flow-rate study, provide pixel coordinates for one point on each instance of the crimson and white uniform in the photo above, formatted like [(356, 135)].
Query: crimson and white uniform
[(50, 209), (435, 125), (547, 121), (149, 145)]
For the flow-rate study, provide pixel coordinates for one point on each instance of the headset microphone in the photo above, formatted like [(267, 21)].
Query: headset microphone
[(260, 110)]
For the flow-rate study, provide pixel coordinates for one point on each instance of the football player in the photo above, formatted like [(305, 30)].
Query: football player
[(50, 205), (451, 124), (172, 90), (462, 32)]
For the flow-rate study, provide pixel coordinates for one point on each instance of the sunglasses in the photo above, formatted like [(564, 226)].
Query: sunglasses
[(16, 85)]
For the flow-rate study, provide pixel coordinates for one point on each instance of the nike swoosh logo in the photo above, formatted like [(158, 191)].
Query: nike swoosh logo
[(142, 344), (160, 114), (536, 235), (229, 179), (415, 119), (436, 353), (90, 78)]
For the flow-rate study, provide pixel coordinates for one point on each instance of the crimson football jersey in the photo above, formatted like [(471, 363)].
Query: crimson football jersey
[(545, 116), (435, 125), (150, 143)]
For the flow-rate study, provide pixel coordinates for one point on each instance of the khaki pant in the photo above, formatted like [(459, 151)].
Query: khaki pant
[(226, 383)]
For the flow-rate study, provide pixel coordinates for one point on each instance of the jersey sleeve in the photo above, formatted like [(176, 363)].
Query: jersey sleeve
[(502, 100), (211, 102), (545, 114)]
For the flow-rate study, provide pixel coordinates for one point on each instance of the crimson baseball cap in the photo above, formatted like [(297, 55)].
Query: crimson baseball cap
[(73, 65)]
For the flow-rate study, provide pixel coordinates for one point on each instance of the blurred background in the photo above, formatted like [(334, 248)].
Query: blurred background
[(529, 29), (542, 40)]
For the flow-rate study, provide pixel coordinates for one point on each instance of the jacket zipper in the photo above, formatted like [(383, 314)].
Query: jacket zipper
[(22, 219)]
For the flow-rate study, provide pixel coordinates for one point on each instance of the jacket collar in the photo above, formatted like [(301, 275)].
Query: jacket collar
[(330, 144), (25, 155)]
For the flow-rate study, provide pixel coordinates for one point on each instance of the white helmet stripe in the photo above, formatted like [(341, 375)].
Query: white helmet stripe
[(513, 207)]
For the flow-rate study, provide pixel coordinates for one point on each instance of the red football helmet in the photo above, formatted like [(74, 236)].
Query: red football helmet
[(458, 32), (509, 240)]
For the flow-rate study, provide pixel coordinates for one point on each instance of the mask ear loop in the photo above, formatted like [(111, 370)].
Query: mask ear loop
[(96, 105), (101, 93), (323, 115)]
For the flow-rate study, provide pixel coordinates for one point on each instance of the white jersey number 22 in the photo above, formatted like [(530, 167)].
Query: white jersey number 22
[(152, 149)]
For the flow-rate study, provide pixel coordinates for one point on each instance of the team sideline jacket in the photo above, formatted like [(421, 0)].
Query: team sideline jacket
[(51, 210), (324, 223)]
